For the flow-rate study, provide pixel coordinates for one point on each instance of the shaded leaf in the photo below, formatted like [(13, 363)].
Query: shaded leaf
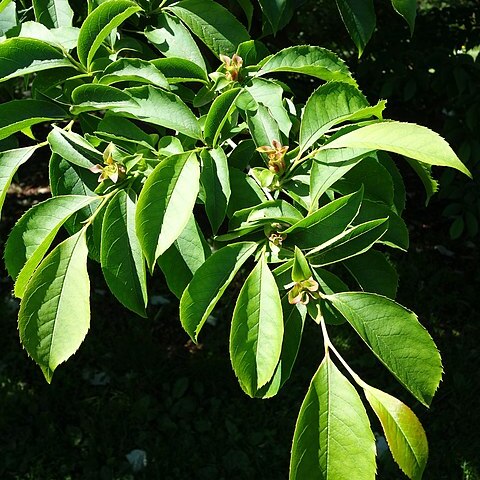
[(209, 283)]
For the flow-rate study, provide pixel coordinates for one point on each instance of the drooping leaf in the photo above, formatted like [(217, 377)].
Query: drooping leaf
[(53, 13), (21, 56), (153, 105), (122, 261), (331, 104), (293, 322), (172, 39), (209, 283), (10, 160), (314, 61), (99, 24), (359, 18), (332, 437), (408, 139), (399, 192), (17, 115), (424, 172), (166, 203), (33, 234), (395, 336), (248, 9), (256, 334), (408, 10), (218, 114), (74, 148), (186, 255), (404, 432), (133, 70), (213, 24), (374, 273), (216, 183), (354, 241), (54, 313)]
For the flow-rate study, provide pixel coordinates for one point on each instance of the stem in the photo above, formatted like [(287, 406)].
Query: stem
[(329, 346), (105, 199)]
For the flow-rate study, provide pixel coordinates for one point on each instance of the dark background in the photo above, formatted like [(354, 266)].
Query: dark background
[(140, 384)]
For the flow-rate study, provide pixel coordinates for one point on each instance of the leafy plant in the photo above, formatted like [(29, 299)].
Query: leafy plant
[(306, 198)]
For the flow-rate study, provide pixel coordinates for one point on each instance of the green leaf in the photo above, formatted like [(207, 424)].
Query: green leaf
[(65, 37), (10, 160), (122, 261), (178, 70), (424, 172), (326, 223), (94, 96), (219, 113), (252, 52), (329, 166), (273, 11), (186, 255), (209, 283), (70, 179), (166, 203), (133, 70), (270, 94), (119, 129), (408, 139), (53, 13), (266, 212), (374, 273), (256, 334), (331, 104), (152, 105), (216, 182), (245, 192), (332, 437), (248, 9), (212, 24), (301, 270), (33, 234), (408, 10), (17, 115), (172, 39), (54, 315), (399, 193), (263, 127), (21, 56), (404, 432), (395, 336), (397, 234), (375, 178), (293, 322), (359, 18), (74, 148), (314, 61), (99, 24), (354, 241), (4, 4)]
